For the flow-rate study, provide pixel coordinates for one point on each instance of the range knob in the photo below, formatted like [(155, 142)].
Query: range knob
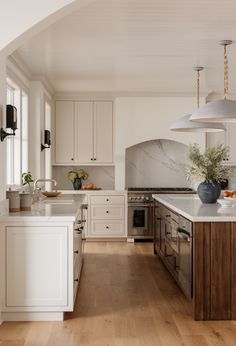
[(146, 198), (142, 198)]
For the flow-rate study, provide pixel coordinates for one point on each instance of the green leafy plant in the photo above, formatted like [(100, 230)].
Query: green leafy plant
[(209, 165), (27, 178), (81, 174)]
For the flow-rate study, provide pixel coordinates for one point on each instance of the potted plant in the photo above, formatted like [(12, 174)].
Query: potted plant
[(27, 179), (76, 178), (208, 169)]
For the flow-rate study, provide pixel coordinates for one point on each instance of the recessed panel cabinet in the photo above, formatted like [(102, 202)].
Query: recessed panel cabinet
[(84, 132), (64, 129), (36, 266), (226, 138)]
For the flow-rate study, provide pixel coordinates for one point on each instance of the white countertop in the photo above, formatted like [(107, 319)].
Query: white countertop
[(193, 209), (101, 192), (61, 208)]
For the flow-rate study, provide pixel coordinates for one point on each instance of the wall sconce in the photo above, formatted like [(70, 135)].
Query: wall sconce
[(47, 140), (11, 122)]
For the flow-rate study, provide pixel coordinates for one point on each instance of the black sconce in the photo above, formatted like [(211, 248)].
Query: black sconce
[(11, 122), (47, 140)]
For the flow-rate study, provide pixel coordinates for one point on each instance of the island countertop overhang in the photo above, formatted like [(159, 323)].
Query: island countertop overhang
[(191, 207)]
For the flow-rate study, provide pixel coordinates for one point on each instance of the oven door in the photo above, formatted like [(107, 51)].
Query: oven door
[(185, 262), (140, 221)]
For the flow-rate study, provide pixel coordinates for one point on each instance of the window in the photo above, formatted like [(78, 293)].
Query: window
[(47, 152), (17, 146)]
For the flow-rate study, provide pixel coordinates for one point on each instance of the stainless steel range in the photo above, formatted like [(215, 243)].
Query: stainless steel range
[(140, 209)]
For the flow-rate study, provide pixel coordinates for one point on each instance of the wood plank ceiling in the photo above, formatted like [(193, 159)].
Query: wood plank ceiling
[(136, 46)]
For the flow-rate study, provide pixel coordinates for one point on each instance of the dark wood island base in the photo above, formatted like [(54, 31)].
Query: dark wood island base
[(214, 270), (203, 264)]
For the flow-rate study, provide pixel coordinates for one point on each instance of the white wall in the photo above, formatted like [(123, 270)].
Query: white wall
[(2, 124), (36, 126), (139, 119), (2, 165)]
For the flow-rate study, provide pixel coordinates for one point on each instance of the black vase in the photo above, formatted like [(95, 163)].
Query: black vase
[(77, 183), (208, 192)]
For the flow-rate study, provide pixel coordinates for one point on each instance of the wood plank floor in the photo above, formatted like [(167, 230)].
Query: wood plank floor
[(126, 298)]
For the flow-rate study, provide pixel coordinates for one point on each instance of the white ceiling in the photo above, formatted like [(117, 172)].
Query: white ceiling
[(136, 46)]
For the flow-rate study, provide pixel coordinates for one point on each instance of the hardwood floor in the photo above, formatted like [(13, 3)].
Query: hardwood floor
[(126, 298)]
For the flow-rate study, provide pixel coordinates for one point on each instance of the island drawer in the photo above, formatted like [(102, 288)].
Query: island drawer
[(185, 224)]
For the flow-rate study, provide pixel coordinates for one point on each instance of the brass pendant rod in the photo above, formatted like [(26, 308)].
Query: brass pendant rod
[(198, 87), (226, 75), (198, 69)]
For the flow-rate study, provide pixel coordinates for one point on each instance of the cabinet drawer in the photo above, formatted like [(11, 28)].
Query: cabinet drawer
[(185, 224), (108, 199), (109, 212), (111, 228)]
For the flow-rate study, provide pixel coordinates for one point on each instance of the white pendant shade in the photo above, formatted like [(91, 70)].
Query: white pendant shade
[(220, 111), (184, 124)]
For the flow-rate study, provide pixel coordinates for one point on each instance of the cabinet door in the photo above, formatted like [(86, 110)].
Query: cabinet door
[(103, 132), (64, 122), (231, 141), (36, 269), (84, 141), (227, 138)]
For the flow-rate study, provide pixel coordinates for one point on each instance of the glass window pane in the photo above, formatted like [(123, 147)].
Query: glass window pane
[(24, 132)]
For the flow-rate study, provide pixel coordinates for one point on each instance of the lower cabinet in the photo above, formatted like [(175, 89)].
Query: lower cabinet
[(107, 216), (173, 243), (202, 261), (43, 262), (36, 274)]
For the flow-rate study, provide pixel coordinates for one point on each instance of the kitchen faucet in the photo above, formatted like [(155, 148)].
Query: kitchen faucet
[(44, 180)]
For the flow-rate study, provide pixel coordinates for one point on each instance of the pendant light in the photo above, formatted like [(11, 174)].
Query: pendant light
[(220, 110), (184, 124)]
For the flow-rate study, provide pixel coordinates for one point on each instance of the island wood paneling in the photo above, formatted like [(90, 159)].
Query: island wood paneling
[(201, 271), (233, 271), (214, 251), (220, 270)]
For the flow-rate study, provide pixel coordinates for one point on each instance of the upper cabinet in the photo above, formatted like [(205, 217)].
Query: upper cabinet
[(64, 130), (226, 138), (84, 132)]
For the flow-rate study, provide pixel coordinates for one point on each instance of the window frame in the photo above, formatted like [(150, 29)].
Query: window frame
[(17, 86)]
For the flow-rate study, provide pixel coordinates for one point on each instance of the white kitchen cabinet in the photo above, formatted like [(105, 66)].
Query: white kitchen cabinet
[(103, 132), (84, 132), (36, 273), (107, 215), (42, 265), (227, 138), (64, 128)]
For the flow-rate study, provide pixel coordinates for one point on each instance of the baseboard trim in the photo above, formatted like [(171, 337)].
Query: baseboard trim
[(32, 316), (106, 239)]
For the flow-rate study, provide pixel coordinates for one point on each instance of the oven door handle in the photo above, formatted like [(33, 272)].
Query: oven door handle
[(139, 205), (184, 235), (180, 230)]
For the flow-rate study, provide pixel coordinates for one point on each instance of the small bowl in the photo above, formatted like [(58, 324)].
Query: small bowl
[(51, 193), (227, 203)]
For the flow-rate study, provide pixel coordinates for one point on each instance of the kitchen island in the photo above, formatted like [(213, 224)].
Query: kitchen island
[(42, 259), (197, 243)]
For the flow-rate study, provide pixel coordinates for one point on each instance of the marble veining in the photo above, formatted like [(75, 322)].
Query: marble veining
[(156, 163), (102, 176)]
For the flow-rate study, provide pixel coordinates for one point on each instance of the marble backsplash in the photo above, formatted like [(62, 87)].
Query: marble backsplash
[(102, 176), (156, 163)]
